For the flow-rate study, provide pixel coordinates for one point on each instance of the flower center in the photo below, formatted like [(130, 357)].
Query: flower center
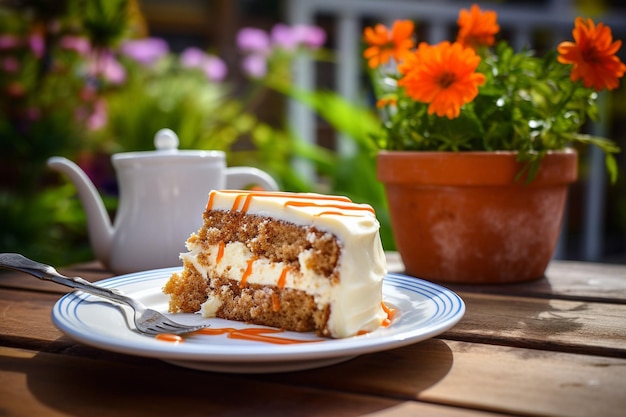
[(591, 55), (446, 79), (388, 46)]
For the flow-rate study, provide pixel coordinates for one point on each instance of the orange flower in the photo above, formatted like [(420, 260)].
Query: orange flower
[(593, 55), (442, 75), (476, 27), (385, 44), (386, 101)]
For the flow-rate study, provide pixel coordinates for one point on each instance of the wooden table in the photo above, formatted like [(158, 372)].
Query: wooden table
[(554, 347)]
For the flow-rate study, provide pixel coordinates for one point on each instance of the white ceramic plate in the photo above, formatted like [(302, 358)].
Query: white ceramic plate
[(423, 310)]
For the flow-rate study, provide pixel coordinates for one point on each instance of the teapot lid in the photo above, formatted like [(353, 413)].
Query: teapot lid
[(166, 144), (166, 139)]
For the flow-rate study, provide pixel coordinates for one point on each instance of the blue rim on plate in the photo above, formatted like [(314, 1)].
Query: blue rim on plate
[(423, 310)]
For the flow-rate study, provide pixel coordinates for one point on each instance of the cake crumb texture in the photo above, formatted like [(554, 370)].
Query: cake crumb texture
[(297, 311), (276, 240), (265, 305), (187, 290)]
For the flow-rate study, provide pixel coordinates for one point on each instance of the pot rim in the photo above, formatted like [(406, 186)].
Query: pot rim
[(458, 153), (471, 168)]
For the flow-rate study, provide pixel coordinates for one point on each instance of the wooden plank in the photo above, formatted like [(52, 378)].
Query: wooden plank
[(563, 325), (26, 321), (12, 279), (502, 380), (563, 279), (587, 280), (43, 384), (484, 377), (413, 409)]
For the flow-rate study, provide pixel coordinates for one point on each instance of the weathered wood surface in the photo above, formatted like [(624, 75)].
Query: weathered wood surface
[(447, 373), (563, 279), (554, 347)]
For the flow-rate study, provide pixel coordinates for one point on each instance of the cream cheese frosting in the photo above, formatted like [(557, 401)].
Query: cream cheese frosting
[(355, 300)]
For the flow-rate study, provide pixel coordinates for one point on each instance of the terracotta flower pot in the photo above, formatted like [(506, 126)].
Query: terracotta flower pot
[(461, 217)]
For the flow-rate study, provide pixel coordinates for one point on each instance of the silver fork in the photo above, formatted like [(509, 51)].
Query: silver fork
[(147, 320)]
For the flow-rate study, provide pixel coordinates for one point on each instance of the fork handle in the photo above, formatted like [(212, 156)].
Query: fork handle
[(45, 272)]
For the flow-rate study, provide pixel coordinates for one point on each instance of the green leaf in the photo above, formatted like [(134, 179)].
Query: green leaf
[(611, 166), (106, 21), (357, 122)]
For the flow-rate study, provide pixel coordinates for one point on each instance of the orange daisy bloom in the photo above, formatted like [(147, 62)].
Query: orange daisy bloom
[(593, 55), (385, 44), (477, 28), (443, 75)]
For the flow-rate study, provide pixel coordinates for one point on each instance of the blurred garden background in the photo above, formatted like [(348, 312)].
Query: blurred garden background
[(88, 78)]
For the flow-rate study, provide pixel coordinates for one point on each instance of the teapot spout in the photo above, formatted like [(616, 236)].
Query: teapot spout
[(98, 221)]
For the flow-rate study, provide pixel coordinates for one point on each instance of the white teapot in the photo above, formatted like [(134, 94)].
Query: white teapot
[(163, 194)]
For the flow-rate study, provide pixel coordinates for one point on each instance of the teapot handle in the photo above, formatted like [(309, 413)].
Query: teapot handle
[(239, 178)]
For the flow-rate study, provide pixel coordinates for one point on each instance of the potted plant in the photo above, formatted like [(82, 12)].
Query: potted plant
[(477, 143)]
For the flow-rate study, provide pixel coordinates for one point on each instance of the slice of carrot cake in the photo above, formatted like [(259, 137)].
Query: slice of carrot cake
[(301, 262)]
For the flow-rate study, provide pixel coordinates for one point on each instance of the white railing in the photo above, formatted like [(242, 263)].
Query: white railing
[(519, 20)]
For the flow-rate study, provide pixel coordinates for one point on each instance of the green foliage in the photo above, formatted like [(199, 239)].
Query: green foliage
[(105, 22), (48, 226), (528, 104), (42, 98), (203, 114)]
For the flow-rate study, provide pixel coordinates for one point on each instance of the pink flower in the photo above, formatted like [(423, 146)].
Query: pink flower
[(99, 117), (105, 65), (213, 67), (76, 43), (310, 36), (255, 65), (192, 58), (253, 40), (290, 37), (37, 44), (145, 51), (284, 37)]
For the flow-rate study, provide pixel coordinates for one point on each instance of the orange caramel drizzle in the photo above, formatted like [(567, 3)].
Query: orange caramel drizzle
[(275, 303), (247, 273), (336, 206), (253, 334), (237, 202), (168, 337), (391, 312), (209, 204), (220, 252), (282, 280), (247, 196), (334, 213)]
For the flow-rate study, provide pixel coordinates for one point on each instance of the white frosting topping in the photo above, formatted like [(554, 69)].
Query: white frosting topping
[(356, 300)]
